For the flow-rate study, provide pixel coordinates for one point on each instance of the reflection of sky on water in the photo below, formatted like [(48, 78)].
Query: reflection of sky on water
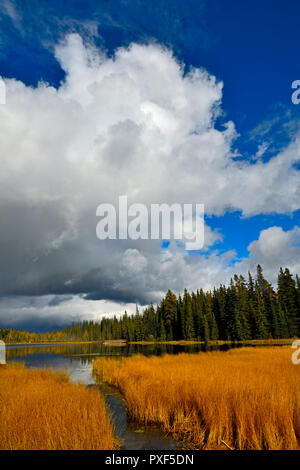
[(79, 370), (76, 360)]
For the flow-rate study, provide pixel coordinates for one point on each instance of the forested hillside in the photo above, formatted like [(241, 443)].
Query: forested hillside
[(246, 309)]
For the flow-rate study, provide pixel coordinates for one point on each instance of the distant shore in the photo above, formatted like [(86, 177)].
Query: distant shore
[(284, 341), (40, 343), (271, 342)]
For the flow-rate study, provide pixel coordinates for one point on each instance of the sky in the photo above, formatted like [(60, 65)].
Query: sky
[(165, 102)]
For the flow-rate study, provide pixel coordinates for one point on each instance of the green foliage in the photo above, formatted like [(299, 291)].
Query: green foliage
[(239, 312), (288, 297), (169, 308)]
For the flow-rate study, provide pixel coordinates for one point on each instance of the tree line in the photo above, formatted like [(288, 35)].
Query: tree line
[(243, 310)]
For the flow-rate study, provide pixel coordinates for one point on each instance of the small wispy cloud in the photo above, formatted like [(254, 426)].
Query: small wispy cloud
[(262, 148), (8, 8)]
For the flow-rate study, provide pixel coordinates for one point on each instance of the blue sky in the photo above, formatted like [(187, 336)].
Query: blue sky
[(251, 46)]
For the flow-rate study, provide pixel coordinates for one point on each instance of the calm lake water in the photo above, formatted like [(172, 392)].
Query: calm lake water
[(76, 360)]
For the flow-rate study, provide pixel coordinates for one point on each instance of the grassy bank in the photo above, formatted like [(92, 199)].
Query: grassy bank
[(43, 410), (219, 342), (40, 343), (247, 398), (269, 342)]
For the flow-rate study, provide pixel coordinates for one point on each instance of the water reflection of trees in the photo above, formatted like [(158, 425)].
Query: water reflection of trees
[(86, 352)]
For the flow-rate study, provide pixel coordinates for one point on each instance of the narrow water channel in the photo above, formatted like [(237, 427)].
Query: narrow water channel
[(134, 436), (76, 360)]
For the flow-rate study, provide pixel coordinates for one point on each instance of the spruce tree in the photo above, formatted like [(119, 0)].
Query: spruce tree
[(209, 314), (169, 313), (188, 327), (287, 297), (260, 326), (241, 322)]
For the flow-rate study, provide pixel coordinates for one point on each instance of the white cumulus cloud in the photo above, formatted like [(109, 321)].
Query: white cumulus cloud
[(134, 124)]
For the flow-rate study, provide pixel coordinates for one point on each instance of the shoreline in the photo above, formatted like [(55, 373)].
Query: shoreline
[(49, 343), (282, 341)]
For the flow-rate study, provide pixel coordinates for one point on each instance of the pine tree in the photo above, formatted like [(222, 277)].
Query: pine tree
[(169, 307), (162, 331), (196, 319), (179, 321), (209, 314), (260, 327), (251, 294), (188, 329), (241, 324), (230, 311), (138, 326), (219, 309), (241, 311), (203, 329), (288, 300)]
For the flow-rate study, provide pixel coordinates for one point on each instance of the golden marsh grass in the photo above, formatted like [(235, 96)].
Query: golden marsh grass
[(43, 410), (245, 398)]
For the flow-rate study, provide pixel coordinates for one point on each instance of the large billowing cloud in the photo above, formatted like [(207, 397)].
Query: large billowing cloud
[(274, 248), (135, 124)]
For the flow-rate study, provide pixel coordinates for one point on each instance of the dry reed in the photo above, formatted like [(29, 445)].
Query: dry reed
[(42, 410), (245, 398)]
